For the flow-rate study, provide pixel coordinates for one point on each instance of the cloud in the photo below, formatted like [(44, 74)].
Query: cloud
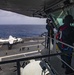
[(7, 17)]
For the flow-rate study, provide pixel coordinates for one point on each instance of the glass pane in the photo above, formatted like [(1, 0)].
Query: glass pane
[(58, 17)]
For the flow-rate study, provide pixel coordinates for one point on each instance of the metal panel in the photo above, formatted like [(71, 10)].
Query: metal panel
[(26, 7)]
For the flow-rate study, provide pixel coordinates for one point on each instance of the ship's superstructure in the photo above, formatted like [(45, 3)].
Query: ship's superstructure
[(32, 55)]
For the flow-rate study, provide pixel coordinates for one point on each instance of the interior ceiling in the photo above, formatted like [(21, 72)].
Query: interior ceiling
[(28, 7)]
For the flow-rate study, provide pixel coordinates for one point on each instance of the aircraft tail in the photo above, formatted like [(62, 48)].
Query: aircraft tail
[(11, 39)]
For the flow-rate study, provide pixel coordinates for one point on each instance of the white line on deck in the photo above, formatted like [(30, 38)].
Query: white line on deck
[(34, 41), (31, 45), (17, 55)]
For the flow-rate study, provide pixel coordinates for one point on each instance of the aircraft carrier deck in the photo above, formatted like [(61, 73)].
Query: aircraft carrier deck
[(30, 47)]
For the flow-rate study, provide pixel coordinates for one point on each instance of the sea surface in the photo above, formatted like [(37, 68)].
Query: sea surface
[(21, 30)]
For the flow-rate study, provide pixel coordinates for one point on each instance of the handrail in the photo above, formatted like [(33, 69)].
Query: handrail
[(44, 34), (63, 43), (29, 58), (34, 57), (67, 64), (26, 58), (63, 53)]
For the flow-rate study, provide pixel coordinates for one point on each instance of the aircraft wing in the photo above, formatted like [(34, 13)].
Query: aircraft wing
[(11, 40), (3, 41)]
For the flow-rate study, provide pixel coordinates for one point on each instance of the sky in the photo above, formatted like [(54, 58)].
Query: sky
[(7, 17)]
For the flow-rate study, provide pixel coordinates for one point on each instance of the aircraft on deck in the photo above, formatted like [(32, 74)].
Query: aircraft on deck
[(10, 41)]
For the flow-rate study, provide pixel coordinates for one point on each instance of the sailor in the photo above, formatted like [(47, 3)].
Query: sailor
[(65, 35), (49, 28)]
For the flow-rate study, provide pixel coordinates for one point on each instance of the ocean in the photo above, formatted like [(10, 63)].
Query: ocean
[(21, 30)]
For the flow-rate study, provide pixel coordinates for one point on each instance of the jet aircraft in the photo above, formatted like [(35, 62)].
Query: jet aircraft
[(10, 41)]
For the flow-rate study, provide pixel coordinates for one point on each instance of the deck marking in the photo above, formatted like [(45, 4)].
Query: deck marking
[(34, 41), (18, 54), (31, 45)]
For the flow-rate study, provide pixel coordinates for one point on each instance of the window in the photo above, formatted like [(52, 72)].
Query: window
[(58, 17)]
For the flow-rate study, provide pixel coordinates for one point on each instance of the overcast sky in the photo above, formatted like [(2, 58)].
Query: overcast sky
[(7, 17)]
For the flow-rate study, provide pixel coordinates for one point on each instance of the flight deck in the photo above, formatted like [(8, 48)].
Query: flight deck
[(30, 47)]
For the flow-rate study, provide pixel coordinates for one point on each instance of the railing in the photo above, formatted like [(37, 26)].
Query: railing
[(38, 56), (18, 60), (45, 34), (54, 47), (27, 58)]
